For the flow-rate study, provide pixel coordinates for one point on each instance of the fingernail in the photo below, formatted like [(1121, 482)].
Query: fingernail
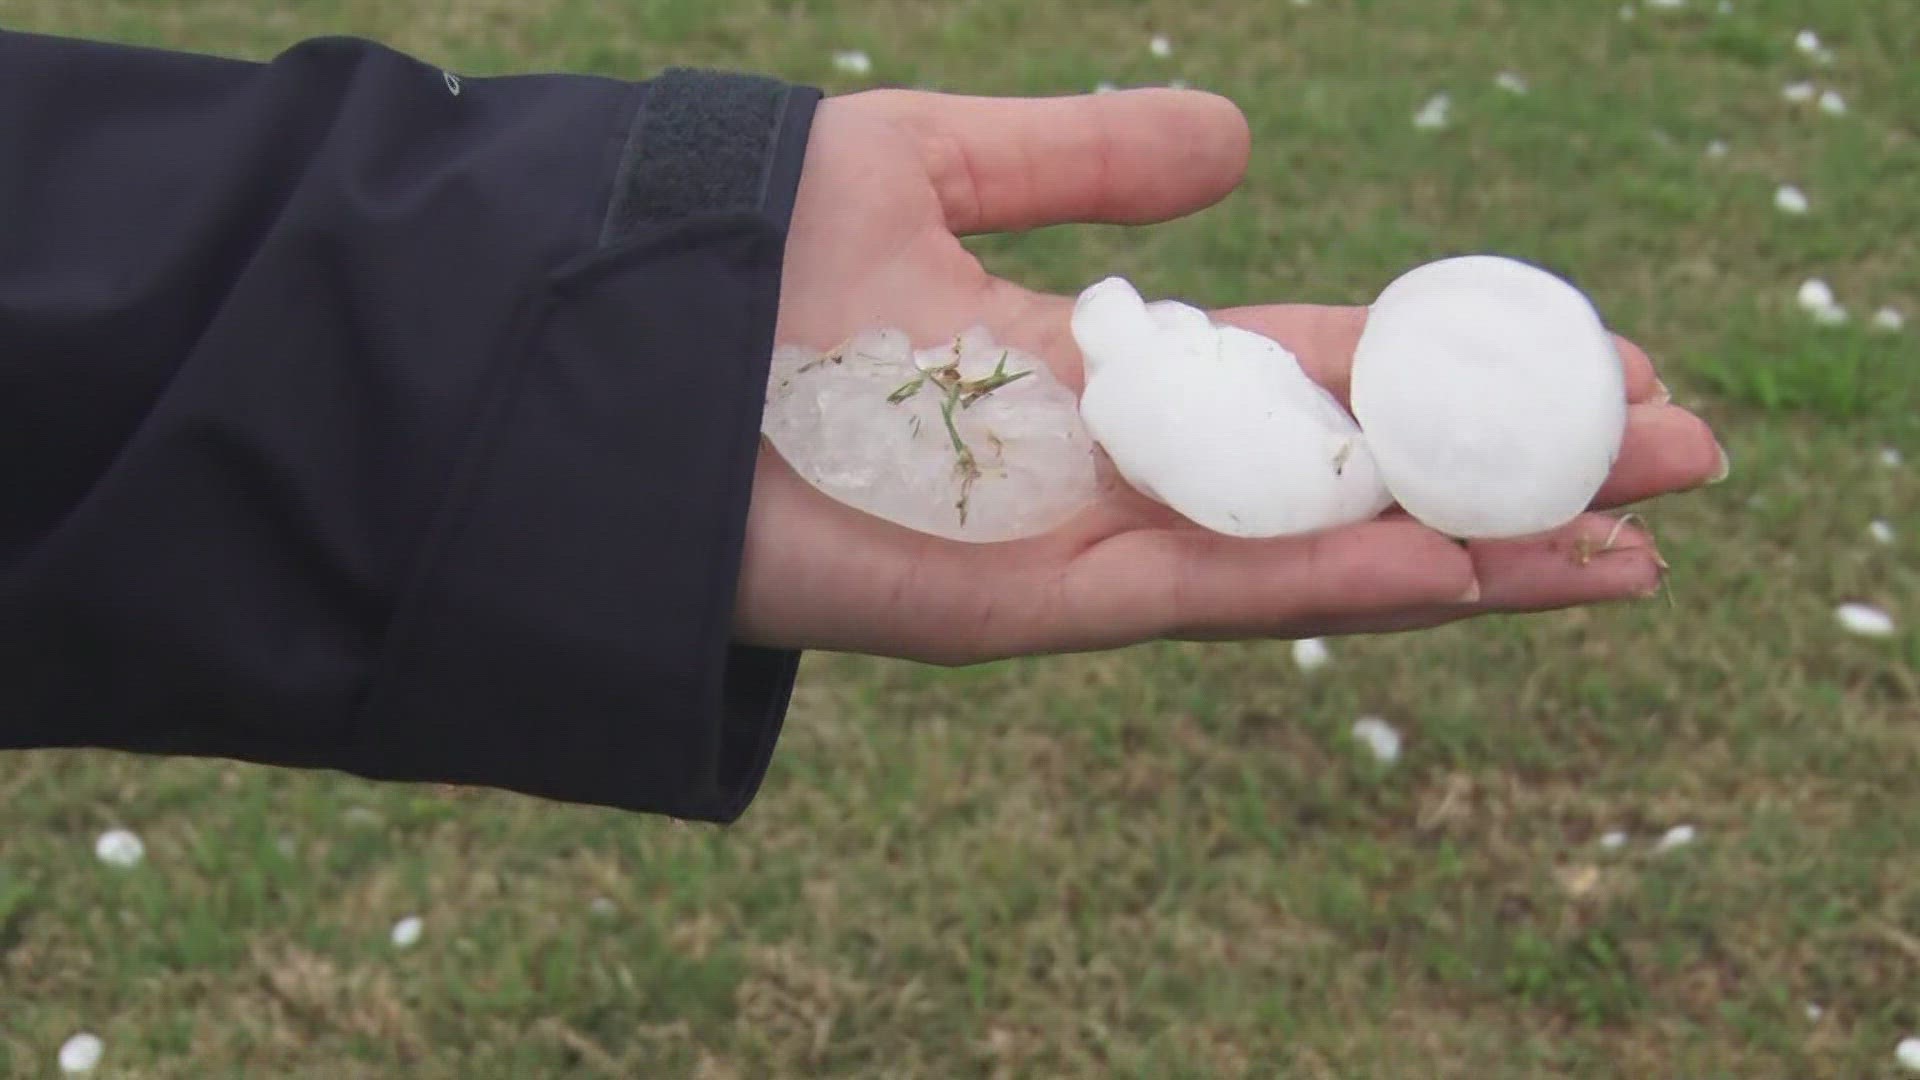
[(1726, 466), (1661, 395), (1472, 595)]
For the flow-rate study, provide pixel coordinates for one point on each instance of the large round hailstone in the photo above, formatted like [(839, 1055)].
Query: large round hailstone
[(1217, 422), (1491, 394)]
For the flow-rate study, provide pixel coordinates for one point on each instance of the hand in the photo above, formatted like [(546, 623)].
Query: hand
[(891, 179)]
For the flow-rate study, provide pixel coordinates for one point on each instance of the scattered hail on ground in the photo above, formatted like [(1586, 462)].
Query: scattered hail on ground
[(852, 62), (1889, 318), (81, 1053), (1613, 840), (406, 932), (1799, 92), (1864, 619), (1881, 531), (1510, 81), (1790, 199), (1816, 298), (1832, 103), (1160, 45), (1380, 737), (1677, 837), (119, 847), (1310, 654), (1434, 114)]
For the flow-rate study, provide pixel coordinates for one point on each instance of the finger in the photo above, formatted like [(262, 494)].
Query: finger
[(1126, 158), (1595, 559), (1325, 337), (1193, 584), (1665, 449)]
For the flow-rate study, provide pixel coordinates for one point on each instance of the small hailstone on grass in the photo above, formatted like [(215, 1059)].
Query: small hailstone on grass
[(1511, 82), (1908, 1053), (852, 62), (1669, 5), (1888, 318), (1613, 840), (81, 1053), (1177, 84), (1816, 299), (119, 847), (1380, 737), (1310, 654), (1724, 7), (1832, 103), (1216, 422), (1799, 92), (1717, 149), (1491, 396), (1790, 199), (1161, 46), (406, 932), (1104, 87), (1864, 620), (1807, 42), (601, 906), (1626, 12), (1814, 1011), (1889, 457), (1678, 836), (1880, 531), (1433, 115)]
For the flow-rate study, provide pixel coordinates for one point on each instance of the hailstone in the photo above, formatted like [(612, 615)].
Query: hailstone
[(1217, 422), (1491, 394)]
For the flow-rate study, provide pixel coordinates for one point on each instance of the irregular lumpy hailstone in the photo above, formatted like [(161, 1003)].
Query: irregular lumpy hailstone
[(1492, 396), (864, 423), (1217, 422)]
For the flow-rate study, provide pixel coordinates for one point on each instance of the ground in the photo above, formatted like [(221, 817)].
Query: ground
[(1173, 861)]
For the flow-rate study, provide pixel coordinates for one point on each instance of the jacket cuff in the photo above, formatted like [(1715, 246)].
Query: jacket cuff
[(569, 629)]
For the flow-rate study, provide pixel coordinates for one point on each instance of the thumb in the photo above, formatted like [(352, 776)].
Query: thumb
[(1124, 158)]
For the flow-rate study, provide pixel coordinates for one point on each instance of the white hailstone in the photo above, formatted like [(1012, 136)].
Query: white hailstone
[(1815, 297), (1864, 620), (1908, 1053), (1626, 12), (852, 62), (1790, 199), (1814, 1011), (1832, 103), (1310, 654), (1807, 42), (1160, 45), (1614, 840), (1177, 84), (1717, 148), (406, 932), (1104, 87), (81, 1053), (1433, 115), (1888, 318), (1217, 422), (1380, 737), (867, 424), (602, 907), (1881, 532), (1724, 7), (1668, 5), (1491, 395), (1889, 457), (1511, 82), (119, 847), (1799, 92), (1676, 837)]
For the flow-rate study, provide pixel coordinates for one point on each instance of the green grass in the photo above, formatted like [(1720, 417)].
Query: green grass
[(1171, 862)]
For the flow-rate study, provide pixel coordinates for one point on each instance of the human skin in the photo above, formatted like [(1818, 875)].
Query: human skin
[(892, 180)]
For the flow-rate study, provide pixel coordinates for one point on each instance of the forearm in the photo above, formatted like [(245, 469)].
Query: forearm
[(354, 415)]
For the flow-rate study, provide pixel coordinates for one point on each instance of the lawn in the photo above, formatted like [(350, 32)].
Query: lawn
[(1174, 861)]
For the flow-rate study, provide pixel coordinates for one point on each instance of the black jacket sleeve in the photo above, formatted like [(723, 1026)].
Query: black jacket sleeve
[(357, 415)]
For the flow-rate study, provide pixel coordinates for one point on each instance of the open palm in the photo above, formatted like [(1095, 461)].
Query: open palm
[(892, 179)]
